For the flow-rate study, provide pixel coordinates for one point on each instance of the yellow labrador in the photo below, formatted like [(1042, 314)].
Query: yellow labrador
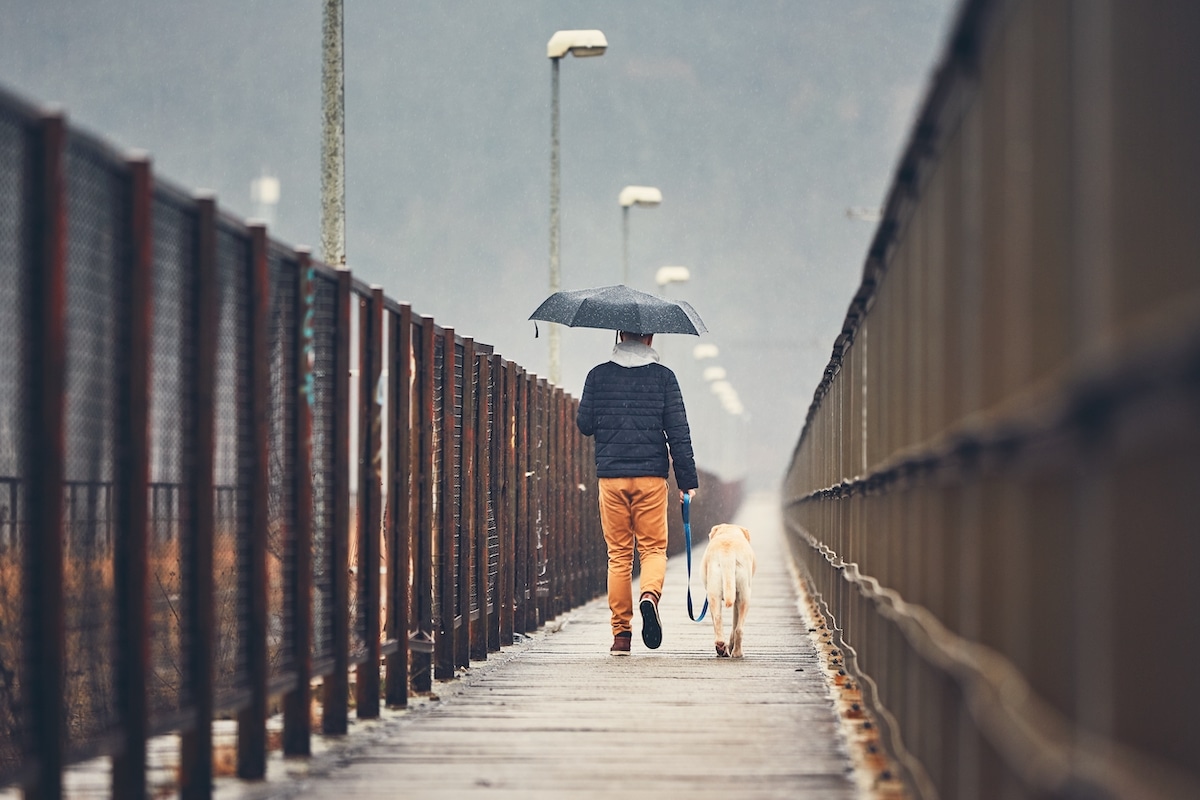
[(728, 565)]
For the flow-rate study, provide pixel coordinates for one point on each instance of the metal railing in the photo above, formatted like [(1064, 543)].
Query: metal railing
[(994, 498), (228, 472)]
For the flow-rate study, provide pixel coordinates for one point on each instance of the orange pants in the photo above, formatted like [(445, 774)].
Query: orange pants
[(633, 513)]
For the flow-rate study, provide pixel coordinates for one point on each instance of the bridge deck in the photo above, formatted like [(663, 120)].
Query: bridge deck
[(556, 716)]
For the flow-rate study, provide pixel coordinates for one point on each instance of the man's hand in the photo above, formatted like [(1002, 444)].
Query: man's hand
[(689, 493)]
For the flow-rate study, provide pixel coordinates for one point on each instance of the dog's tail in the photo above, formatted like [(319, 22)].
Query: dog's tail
[(728, 579)]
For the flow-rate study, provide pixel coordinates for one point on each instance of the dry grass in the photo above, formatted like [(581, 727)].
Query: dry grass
[(11, 606)]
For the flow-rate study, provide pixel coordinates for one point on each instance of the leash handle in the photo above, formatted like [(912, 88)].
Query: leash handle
[(687, 538)]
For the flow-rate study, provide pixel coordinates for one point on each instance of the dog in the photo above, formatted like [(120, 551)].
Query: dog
[(728, 566)]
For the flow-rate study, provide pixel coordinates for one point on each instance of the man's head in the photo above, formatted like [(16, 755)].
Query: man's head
[(629, 336)]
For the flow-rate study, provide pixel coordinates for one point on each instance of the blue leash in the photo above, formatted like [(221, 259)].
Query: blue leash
[(687, 538)]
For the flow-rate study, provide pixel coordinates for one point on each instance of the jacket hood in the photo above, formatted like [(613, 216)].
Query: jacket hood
[(633, 354)]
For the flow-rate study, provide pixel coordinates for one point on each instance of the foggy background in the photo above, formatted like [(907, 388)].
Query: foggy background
[(762, 123)]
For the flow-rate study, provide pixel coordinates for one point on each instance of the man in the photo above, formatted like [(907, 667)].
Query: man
[(633, 406)]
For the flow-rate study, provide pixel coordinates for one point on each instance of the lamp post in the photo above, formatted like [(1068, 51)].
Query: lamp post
[(633, 196), (333, 139), (580, 44)]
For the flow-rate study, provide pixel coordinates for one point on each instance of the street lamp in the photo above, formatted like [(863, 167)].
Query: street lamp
[(264, 196), (633, 196), (864, 213), (667, 275), (581, 44)]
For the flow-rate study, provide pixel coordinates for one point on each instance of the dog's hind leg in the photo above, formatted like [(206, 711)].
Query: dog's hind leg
[(714, 609), (739, 618)]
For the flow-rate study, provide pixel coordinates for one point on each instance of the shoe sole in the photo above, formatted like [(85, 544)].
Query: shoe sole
[(618, 653), (651, 626)]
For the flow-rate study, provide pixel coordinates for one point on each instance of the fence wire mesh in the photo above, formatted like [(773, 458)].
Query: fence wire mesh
[(358, 401), (471, 388), (14, 150), (324, 304), (493, 530), (281, 455), (172, 365), (437, 470), (233, 453), (456, 508), (97, 300)]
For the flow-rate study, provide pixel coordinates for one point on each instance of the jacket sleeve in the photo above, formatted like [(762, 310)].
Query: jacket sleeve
[(679, 436), (585, 418)]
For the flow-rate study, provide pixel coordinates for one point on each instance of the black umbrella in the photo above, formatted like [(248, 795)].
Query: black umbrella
[(619, 308)]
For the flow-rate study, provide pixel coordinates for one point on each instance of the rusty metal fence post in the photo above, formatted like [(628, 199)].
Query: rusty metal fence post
[(196, 744), (44, 447), (371, 434), (297, 716), (400, 500)]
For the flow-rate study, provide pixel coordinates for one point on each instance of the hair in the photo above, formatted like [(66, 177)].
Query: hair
[(641, 337)]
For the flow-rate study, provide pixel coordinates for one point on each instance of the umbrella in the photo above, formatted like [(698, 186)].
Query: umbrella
[(619, 308)]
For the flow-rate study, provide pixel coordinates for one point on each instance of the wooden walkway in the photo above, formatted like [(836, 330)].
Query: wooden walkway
[(556, 716)]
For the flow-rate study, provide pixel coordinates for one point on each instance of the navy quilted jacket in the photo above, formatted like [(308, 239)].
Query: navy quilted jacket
[(636, 413)]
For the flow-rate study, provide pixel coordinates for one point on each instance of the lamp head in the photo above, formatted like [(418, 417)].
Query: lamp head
[(667, 275), (579, 43), (639, 196)]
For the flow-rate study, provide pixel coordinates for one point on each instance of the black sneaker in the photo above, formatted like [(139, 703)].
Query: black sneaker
[(651, 626)]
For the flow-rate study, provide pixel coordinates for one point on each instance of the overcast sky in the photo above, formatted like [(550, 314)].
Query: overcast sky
[(761, 123)]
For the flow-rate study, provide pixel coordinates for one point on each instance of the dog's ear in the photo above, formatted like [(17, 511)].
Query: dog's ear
[(712, 530), (746, 533)]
